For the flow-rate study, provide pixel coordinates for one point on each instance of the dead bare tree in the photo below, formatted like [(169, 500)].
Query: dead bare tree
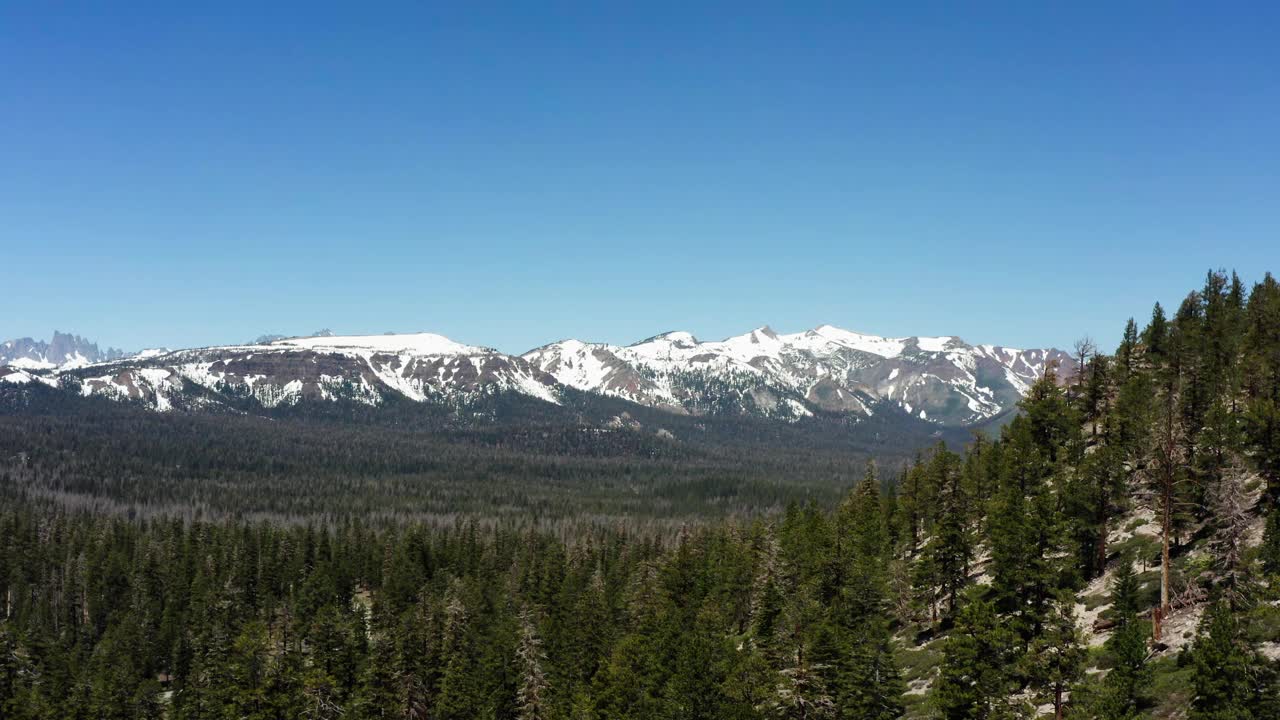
[(1231, 516), (1085, 348)]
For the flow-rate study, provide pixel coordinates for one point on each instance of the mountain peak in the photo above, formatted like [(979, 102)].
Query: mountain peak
[(64, 350), (423, 343), (680, 338), (937, 344), (940, 379)]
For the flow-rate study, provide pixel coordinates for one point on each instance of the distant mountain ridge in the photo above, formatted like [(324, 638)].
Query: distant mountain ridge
[(823, 371), (64, 350), (826, 369)]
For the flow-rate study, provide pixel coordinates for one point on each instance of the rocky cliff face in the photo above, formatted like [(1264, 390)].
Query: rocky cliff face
[(64, 350)]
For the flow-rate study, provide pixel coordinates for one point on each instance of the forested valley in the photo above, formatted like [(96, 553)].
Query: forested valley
[(1111, 552)]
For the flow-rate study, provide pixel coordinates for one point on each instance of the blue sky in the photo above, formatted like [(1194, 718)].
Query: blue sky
[(517, 173)]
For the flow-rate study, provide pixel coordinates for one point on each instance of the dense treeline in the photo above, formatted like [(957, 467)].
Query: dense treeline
[(1137, 494), (145, 463), (406, 462), (111, 618)]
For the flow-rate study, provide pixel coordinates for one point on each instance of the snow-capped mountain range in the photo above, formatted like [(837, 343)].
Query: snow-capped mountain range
[(826, 370)]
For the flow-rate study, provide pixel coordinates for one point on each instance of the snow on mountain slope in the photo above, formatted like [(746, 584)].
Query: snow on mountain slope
[(413, 344), (761, 372), (830, 369), (17, 376), (365, 369)]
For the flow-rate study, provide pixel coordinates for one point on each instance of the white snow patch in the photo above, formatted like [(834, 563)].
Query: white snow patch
[(18, 378), (415, 343), (933, 344), (873, 344), (31, 364)]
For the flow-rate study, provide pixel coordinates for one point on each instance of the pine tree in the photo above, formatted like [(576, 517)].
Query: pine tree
[(952, 546), (1054, 422), (1262, 431), (115, 678), (1055, 660), (458, 696), (803, 690), (1156, 334), (869, 686), (864, 542), (1125, 684), (1024, 533), (376, 697), (419, 659), (915, 503), (11, 668), (750, 684), (336, 642), (1270, 550), (626, 687), (767, 595), (207, 687), (249, 673), (531, 698), (1095, 399), (1126, 354), (974, 683), (696, 686), (1091, 494), (1225, 668), (926, 579), (593, 633)]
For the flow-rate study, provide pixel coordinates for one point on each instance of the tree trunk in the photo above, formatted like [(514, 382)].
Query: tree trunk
[(1101, 559), (1168, 470), (1057, 702), (1167, 522)]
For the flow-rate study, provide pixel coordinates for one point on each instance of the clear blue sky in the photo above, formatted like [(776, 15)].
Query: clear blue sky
[(531, 171)]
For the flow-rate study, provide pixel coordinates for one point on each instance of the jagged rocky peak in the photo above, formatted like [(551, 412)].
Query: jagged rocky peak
[(64, 350)]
